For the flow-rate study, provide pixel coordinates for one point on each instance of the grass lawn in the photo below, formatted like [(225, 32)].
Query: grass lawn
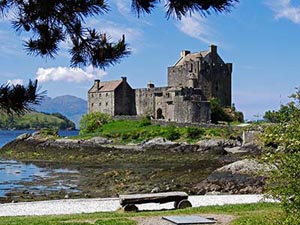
[(124, 131), (249, 214)]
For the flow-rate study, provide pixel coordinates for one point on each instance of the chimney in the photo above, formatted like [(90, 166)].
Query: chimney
[(97, 84), (213, 49), (150, 85), (229, 66), (124, 79), (184, 53)]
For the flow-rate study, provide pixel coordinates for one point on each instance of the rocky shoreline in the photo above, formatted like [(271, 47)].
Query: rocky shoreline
[(209, 166)]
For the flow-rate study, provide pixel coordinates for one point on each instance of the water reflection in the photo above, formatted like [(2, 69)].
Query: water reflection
[(12, 173), (15, 176)]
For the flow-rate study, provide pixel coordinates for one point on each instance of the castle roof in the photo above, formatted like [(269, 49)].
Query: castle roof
[(106, 86), (191, 56)]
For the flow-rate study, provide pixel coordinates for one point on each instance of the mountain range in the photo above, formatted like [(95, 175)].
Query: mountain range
[(68, 105)]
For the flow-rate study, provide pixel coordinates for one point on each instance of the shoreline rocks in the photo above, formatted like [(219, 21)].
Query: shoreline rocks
[(241, 177)]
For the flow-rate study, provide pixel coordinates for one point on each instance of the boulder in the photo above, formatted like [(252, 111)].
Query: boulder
[(23, 137), (99, 140), (241, 177), (158, 143)]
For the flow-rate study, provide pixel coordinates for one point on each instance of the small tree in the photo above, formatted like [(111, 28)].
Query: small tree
[(93, 121), (217, 111), (283, 183)]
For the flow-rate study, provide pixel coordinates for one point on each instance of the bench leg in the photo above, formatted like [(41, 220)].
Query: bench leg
[(182, 204), (130, 208)]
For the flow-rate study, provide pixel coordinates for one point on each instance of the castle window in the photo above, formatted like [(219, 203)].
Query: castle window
[(106, 103), (92, 104), (191, 68), (92, 95), (100, 95), (217, 86), (100, 104), (106, 94)]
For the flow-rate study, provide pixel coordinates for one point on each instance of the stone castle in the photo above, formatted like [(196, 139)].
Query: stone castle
[(192, 82)]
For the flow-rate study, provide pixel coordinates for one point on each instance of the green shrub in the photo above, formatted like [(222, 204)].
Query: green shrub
[(91, 122), (283, 182), (49, 132), (194, 133), (145, 122), (171, 133), (213, 132)]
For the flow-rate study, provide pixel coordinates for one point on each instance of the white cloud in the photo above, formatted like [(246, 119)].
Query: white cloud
[(123, 7), (284, 9), (196, 27), (115, 31), (67, 74), (15, 82)]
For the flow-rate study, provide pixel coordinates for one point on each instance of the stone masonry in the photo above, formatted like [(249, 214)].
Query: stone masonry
[(192, 82)]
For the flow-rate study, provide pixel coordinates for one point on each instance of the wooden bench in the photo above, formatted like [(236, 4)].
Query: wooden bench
[(128, 202)]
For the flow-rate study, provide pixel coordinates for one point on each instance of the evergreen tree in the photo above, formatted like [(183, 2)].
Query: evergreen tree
[(18, 98)]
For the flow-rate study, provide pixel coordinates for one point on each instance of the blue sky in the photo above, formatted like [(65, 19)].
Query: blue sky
[(260, 37)]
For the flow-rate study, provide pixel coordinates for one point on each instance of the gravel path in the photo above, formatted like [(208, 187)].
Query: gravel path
[(73, 206)]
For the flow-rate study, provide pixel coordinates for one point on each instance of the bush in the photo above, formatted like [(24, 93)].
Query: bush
[(283, 183), (194, 133), (145, 122), (93, 121), (172, 133), (49, 132)]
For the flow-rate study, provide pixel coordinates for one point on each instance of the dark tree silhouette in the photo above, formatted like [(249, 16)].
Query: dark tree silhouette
[(18, 99), (51, 22)]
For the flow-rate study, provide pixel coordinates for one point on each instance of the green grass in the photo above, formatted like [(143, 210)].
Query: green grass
[(248, 214), (125, 131)]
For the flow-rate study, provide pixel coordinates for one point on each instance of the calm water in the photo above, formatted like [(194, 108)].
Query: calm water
[(15, 175)]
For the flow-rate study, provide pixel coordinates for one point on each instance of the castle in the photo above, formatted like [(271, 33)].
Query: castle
[(192, 82)]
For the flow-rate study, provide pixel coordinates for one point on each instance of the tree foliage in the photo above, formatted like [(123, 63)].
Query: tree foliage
[(18, 98), (90, 122), (283, 183), (284, 114), (51, 22)]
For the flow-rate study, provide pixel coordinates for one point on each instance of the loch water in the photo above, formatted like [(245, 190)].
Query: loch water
[(15, 175)]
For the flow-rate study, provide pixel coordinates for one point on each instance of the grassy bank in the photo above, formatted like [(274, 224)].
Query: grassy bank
[(250, 214), (124, 131)]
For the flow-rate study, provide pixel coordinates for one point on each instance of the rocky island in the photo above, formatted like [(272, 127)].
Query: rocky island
[(107, 169)]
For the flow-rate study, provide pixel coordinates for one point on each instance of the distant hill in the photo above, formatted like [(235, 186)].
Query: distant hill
[(36, 120), (68, 105)]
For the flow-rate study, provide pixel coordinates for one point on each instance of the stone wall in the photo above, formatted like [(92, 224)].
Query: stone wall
[(102, 102), (124, 100)]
